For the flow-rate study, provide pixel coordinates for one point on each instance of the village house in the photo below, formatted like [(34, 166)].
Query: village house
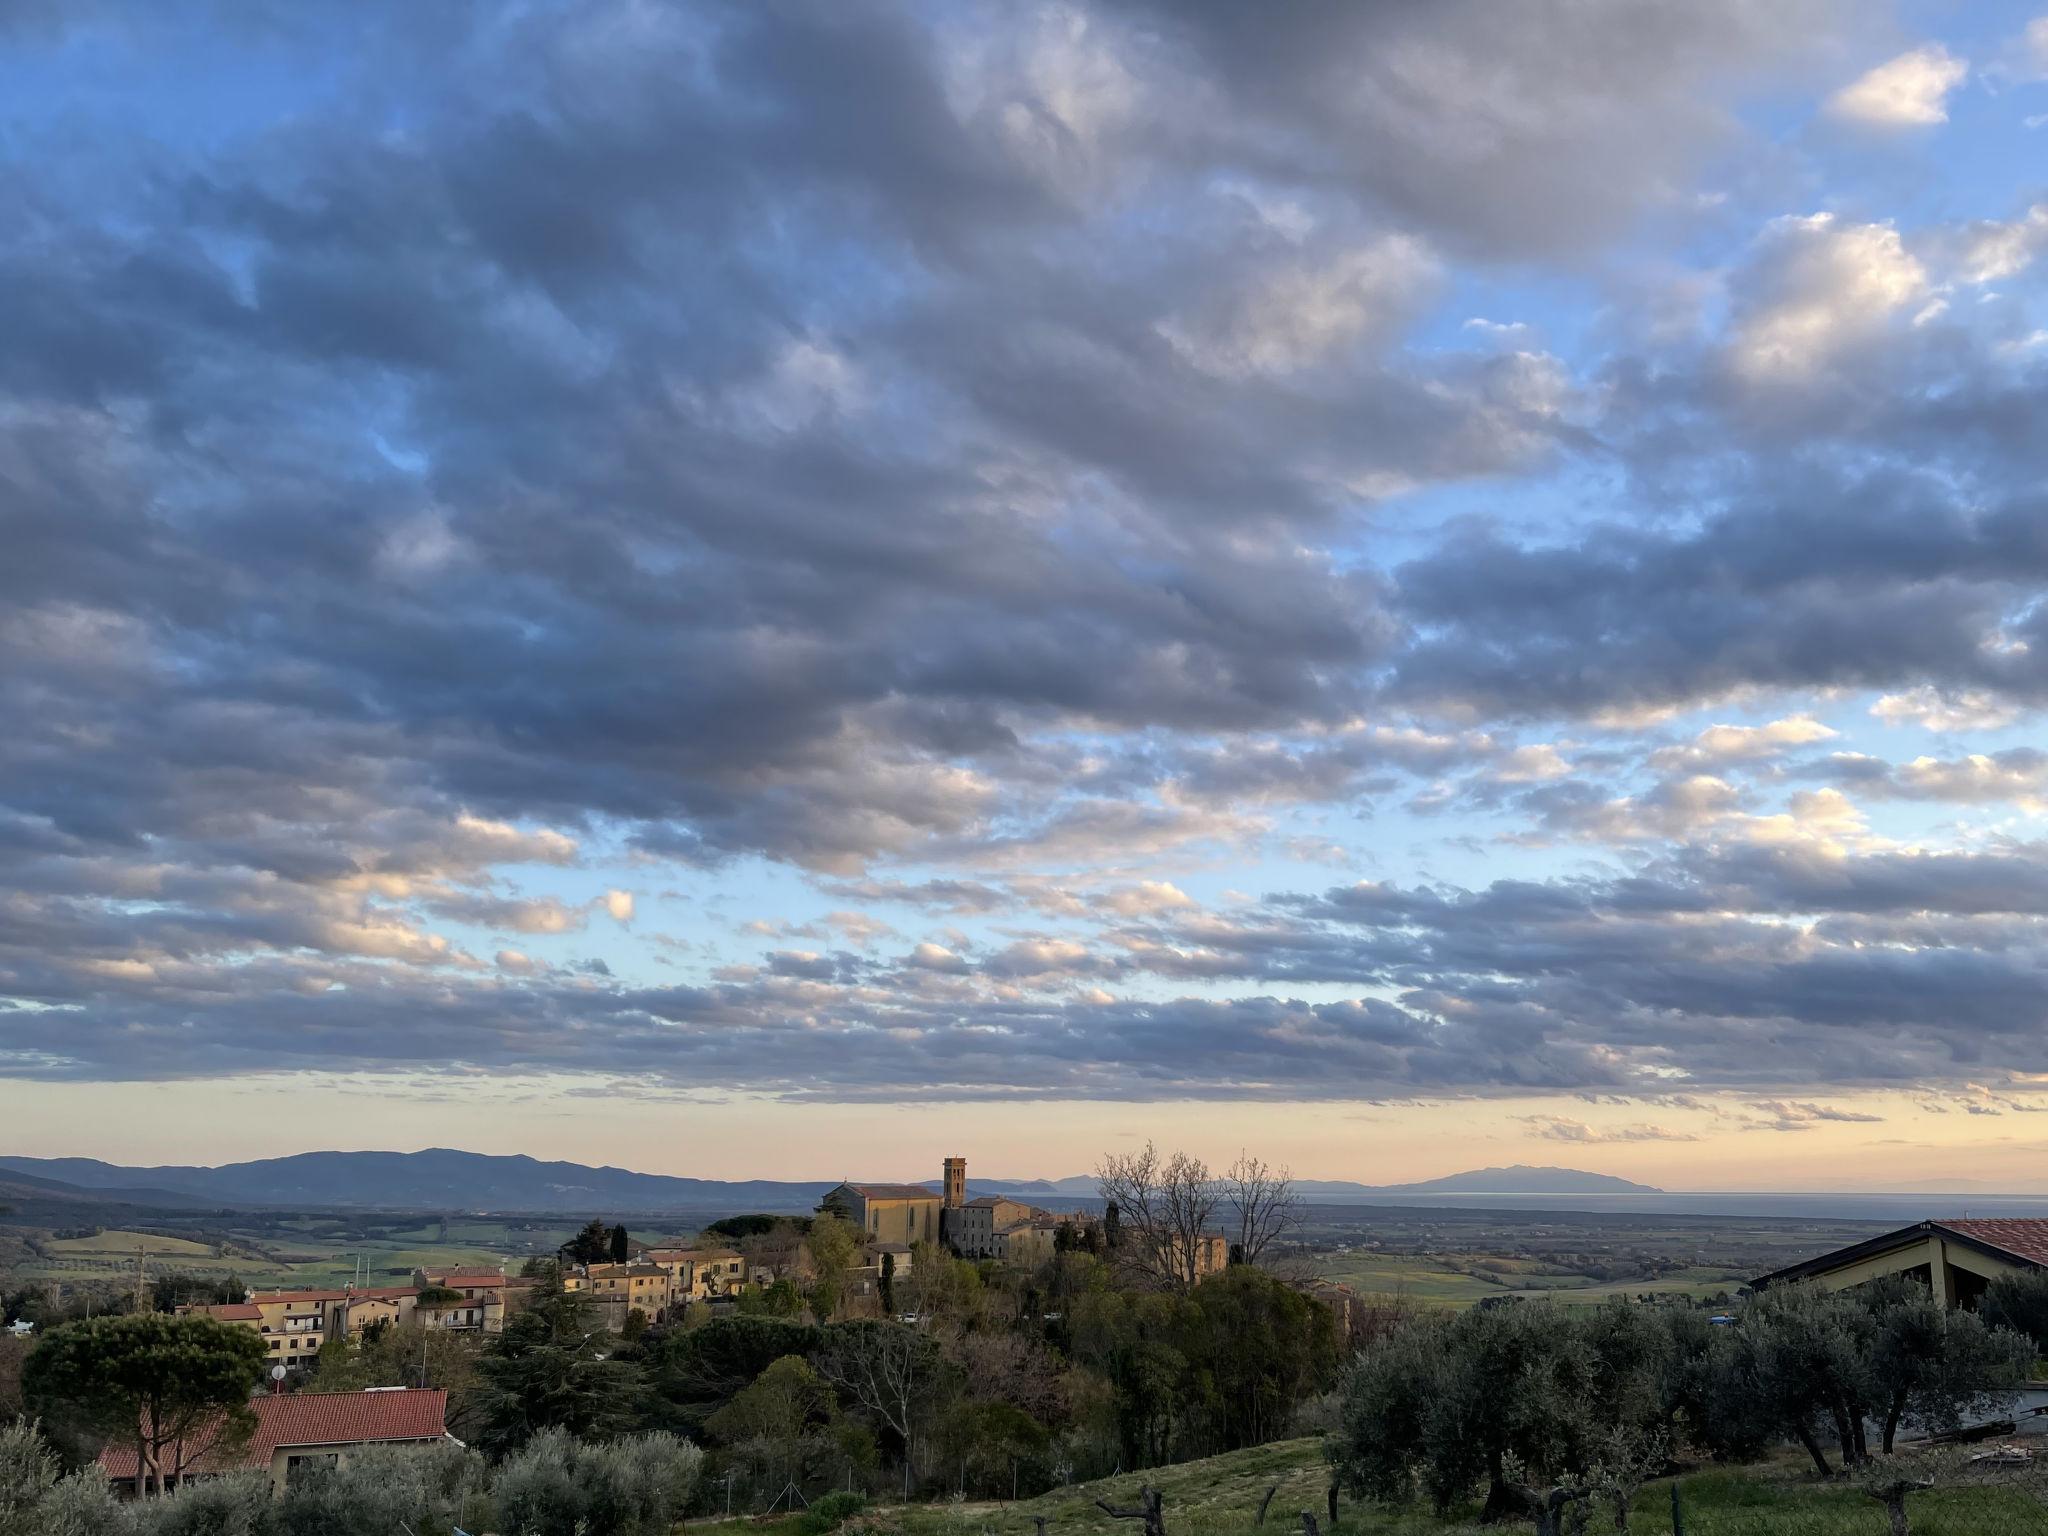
[(294, 1324), (1954, 1258), (620, 1289), (299, 1429), (699, 1274), (482, 1306), (1029, 1241)]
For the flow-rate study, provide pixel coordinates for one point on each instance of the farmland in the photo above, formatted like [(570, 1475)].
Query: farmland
[(1455, 1258), (267, 1250)]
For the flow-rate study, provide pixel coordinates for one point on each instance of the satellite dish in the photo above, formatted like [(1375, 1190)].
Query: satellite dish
[(277, 1373)]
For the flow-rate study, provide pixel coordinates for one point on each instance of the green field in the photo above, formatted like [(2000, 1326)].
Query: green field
[(1459, 1280), (265, 1252), (126, 1245)]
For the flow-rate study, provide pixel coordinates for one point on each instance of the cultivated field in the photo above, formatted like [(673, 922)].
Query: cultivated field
[(1457, 1257)]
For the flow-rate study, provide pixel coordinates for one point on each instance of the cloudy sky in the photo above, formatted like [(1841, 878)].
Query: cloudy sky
[(788, 589)]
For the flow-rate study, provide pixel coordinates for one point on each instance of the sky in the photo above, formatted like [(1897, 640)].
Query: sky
[(787, 590)]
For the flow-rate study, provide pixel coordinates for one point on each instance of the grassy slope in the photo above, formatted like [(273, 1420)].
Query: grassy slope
[(1220, 1497)]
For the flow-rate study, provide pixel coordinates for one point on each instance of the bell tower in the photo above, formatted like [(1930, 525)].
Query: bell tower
[(956, 1182)]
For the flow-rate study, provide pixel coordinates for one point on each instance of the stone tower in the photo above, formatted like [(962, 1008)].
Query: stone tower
[(956, 1182)]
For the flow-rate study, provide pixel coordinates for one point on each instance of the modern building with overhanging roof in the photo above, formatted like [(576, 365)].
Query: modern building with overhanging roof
[(1956, 1258)]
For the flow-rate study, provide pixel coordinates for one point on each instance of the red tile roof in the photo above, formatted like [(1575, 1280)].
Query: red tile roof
[(233, 1312), (893, 1191), (312, 1418), (367, 1293), (2024, 1237)]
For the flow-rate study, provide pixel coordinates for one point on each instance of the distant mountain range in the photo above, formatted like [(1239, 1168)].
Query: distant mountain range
[(441, 1179)]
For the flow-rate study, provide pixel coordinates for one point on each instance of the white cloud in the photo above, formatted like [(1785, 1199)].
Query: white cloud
[(1993, 250), (1561, 1128), (1941, 709), (620, 905), (1145, 898), (1743, 743), (1976, 779), (1532, 764), (1910, 91), (1819, 287)]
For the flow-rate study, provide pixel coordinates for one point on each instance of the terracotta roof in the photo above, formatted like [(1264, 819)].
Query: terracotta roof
[(234, 1312), (2024, 1237), (481, 1278), (893, 1191), (368, 1293), (312, 1418)]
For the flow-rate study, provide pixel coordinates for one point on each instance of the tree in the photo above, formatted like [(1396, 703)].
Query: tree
[(781, 1425), (2018, 1300), (1802, 1356), (384, 1488), (169, 1385), (1163, 1207), (1507, 1396), (13, 1355), (37, 1499), (1934, 1367), (833, 1244), (891, 1372), (557, 1485), (591, 1245), (408, 1354), (732, 1229), (888, 1284), (1262, 1204), (695, 1372), (621, 1246), (1264, 1348), (549, 1369)]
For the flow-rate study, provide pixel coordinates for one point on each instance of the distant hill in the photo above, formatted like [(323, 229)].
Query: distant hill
[(28, 1199), (1521, 1179), (442, 1179), (436, 1179)]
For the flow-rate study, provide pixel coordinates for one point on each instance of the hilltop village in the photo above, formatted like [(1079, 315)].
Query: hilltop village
[(887, 1226)]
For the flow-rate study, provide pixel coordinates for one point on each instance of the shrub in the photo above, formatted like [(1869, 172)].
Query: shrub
[(830, 1512), (557, 1486), (380, 1490), (237, 1505)]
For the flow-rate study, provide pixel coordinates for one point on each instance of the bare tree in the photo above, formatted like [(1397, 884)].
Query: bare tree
[(1164, 1206), (1263, 1206), (887, 1369)]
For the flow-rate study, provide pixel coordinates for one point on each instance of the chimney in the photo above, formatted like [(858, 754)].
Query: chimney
[(956, 1182)]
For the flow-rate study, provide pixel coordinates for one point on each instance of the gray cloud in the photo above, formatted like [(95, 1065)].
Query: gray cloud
[(912, 439)]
